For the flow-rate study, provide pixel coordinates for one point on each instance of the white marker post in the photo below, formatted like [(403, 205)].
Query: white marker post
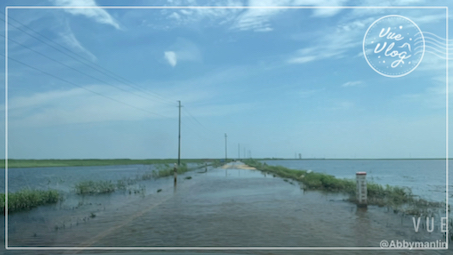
[(361, 189)]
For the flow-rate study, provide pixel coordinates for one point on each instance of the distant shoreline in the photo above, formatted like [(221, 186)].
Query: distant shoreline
[(29, 163)]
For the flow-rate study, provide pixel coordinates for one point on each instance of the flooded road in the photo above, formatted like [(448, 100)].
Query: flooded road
[(222, 207)]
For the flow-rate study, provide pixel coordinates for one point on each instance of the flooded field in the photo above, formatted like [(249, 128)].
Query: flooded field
[(221, 207), (426, 178)]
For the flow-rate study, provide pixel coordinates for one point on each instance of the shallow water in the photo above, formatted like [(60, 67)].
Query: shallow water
[(219, 208), (426, 178)]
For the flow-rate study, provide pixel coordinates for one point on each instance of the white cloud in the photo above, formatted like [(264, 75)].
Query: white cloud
[(98, 14), (326, 12), (170, 56), (175, 16), (182, 50), (77, 105), (252, 19), (257, 19), (260, 19), (301, 60), (331, 44), (423, 19), (352, 84), (69, 38), (207, 17), (82, 106), (266, 29)]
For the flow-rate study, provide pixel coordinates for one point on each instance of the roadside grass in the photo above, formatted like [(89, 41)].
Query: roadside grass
[(95, 187), (104, 187), (400, 199), (168, 170), (27, 199)]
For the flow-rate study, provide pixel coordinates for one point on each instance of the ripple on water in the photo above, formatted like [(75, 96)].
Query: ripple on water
[(228, 208)]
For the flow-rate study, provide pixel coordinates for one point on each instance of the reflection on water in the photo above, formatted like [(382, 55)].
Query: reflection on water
[(217, 208)]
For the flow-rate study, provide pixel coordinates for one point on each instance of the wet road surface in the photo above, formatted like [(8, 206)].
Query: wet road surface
[(229, 207)]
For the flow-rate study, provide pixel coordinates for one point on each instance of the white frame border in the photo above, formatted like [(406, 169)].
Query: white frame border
[(209, 7)]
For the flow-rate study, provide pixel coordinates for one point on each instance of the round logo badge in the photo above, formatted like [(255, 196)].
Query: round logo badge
[(393, 46)]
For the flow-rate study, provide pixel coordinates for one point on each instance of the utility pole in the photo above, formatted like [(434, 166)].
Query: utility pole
[(239, 151), (179, 135), (225, 147)]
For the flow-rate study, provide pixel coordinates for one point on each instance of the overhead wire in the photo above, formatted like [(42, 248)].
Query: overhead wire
[(199, 123), (74, 69), (85, 61), (93, 66), (82, 87), (191, 116), (194, 128)]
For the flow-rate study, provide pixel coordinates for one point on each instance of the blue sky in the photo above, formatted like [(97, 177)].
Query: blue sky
[(277, 81)]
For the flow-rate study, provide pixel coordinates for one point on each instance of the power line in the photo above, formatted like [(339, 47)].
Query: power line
[(72, 68), (193, 117), (214, 132), (207, 136), (196, 132), (74, 84), (85, 61)]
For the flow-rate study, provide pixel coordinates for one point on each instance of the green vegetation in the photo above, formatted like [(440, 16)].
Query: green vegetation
[(398, 198), (103, 187), (23, 163), (168, 170), (95, 187), (28, 199)]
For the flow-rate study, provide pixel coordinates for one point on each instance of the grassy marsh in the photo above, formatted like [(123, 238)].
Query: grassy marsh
[(400, 199), (103, 187), (27, 199)]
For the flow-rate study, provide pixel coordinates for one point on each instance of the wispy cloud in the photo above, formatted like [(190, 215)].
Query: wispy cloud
[(331, 44), (69, 39), (170, 56), (326, 12), (259, 20), (352, 84), (206, 17), (253, 19), (98, 14), (62, 107), (77, 105), (182, 50)]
